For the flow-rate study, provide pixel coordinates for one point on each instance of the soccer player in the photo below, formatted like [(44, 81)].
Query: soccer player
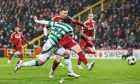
[(58, 32), (71, 44), (86, 37), (59, 51), (66, 41), (16, 40)]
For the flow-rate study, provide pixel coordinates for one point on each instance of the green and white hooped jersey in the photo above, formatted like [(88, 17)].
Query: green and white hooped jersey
[(59, 30)]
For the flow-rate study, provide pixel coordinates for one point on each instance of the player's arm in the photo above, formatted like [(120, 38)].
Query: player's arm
[(50, 23), (82, 33), (78, 23), (94, 32), (24, 39), (12, 38), (45, 31)]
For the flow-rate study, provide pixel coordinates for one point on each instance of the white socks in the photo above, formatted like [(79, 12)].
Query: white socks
[(9, 61), (21, 61), (29, 63), (69, 65)]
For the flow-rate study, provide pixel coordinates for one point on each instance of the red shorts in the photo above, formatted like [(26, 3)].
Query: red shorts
[(17, 48), (84, 44), (67, 42)]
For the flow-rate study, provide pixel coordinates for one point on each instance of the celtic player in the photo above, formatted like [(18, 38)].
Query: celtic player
[(58, 31)]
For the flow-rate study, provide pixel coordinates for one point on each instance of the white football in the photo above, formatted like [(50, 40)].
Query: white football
[(131, 60), (61, 81)]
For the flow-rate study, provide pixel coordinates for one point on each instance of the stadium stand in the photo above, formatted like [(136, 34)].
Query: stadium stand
[(118, 24), (20, 12)]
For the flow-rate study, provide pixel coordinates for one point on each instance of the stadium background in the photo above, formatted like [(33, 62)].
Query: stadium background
[(118, 29), (118, 21)]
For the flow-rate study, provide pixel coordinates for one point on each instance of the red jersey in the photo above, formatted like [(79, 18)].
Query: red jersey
[(66, 41), (91, 25), (17, 37), (57, 19)]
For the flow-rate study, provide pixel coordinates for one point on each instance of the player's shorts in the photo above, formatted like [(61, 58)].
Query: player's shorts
[(67, 42), (60, 51), (49, 49), (17, 48), (84, 44)]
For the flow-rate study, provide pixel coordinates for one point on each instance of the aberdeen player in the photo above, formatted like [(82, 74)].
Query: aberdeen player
[(16, 40), (59, 30), (59, 51), (86, 37), (66, 42)]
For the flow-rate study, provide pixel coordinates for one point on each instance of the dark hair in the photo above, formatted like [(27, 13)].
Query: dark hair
[(67, 20)]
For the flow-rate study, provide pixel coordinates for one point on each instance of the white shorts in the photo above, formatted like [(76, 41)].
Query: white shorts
[(47, 51), (60, 51)]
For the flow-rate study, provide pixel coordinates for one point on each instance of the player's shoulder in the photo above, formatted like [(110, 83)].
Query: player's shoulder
[(57, 18), (93, 21), (20, 33), (13, 33), (90, 21)]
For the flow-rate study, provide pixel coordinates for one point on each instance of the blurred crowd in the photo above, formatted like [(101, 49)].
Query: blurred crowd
[(20, 12), (118, 25)]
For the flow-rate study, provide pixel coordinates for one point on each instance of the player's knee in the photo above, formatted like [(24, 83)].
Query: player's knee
[(94, 51), (76, 48), (59, 58), (39, 63), (66, 56)]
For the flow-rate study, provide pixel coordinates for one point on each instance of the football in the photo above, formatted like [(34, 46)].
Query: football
[(131, 60)]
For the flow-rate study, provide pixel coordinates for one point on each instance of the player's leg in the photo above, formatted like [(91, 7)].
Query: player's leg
[(71, 44), (90, 50), (56, 62), (47, 50), (10, 56), (76, 48), (66, 55), (21, 54), (82, 44), (87, 49), (54, 66)]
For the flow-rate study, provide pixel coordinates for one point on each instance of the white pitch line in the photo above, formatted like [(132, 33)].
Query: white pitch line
[(128, 82)]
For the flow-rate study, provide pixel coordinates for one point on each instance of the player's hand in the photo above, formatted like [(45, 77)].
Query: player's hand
[(35, 18), (93, 37)]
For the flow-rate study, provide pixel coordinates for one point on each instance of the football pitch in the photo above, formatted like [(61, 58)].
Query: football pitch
[(104, 72)]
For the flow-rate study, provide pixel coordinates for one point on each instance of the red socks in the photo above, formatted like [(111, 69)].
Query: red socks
[(82, 57), (79, 61), (55, 64)]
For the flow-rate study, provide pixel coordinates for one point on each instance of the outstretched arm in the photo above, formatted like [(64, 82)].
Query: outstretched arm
[(78, 23), (50, 23), (24, 39)]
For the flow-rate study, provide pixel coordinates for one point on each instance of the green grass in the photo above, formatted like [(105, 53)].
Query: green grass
[(105, 72)]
